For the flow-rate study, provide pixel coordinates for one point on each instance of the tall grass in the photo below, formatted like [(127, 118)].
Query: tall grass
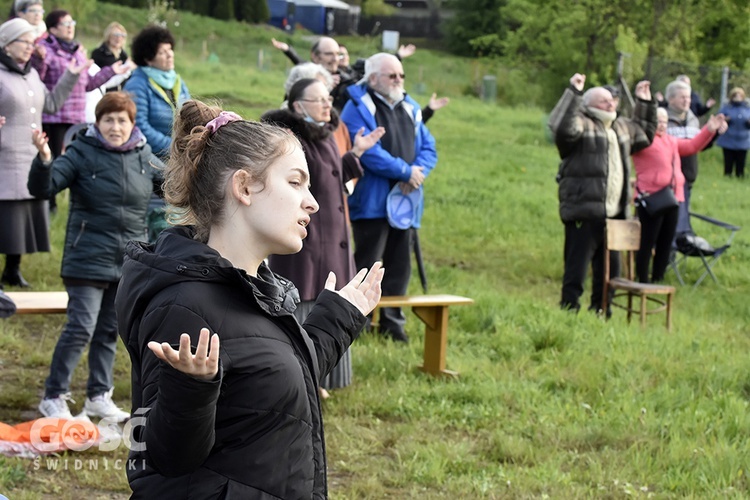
[(547, 404)]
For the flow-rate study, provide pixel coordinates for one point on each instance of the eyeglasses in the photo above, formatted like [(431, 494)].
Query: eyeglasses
[(329, 54), (25, 42), (34, 11), (322, 101), (393, 76), (67, 24), (119, 35)]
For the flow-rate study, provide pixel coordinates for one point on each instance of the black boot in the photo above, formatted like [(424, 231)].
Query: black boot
[(12, 273)]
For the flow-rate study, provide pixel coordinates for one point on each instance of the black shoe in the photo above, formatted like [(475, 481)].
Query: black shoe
[(396, 336), (15, 279)]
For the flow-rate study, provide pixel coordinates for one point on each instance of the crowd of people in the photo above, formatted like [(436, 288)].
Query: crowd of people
[(231, 317), (662, 140), (235, 306)]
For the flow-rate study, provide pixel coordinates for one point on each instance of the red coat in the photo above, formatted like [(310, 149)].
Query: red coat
[(328, 245)]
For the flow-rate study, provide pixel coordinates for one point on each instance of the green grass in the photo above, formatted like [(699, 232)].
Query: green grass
[(548, 404)]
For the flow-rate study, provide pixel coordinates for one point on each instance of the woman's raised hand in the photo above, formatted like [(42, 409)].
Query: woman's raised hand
[(76, 68), (363, 291), (204, 364), (643, 90), (41, 142)]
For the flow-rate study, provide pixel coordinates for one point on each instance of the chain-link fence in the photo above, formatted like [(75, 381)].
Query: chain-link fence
[(708, 81)]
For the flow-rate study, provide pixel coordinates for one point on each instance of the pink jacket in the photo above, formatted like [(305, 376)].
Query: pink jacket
[(653, 165)]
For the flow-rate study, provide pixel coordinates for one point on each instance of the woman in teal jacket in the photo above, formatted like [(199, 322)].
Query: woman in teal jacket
[(157, 89), (110, 171)]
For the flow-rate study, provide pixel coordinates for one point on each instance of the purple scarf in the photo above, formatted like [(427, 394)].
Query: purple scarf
[(136, 139)]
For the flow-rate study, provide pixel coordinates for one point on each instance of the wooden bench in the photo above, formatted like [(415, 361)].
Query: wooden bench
[(39, 302), (433, 311)]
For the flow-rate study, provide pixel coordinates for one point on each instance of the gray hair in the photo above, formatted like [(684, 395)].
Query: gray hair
[(674, 86), (662, 112), (307, 70), (375, 62)]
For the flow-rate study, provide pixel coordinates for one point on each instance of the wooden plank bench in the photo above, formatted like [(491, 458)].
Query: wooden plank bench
[(433, 311), (39, 302)]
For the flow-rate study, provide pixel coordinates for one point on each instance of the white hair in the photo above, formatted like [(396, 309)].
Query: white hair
[(307, 70), (589, 94), (374, 63), (674, 86), (662, 112)]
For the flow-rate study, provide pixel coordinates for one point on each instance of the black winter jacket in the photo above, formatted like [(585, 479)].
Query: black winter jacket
[(583, 146), (109, 195), (256, 431)]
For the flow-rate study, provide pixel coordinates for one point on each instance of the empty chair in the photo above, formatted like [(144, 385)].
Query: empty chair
[(625, 235)]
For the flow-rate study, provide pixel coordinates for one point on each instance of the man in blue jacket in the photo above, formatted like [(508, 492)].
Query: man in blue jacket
[(404, 156)]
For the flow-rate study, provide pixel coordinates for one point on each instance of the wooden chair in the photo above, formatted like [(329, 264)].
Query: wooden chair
[(625, 236)]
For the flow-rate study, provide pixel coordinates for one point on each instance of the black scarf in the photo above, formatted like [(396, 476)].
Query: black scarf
[(12, 66)]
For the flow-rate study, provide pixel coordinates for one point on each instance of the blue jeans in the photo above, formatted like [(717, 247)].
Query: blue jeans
[(91, 319)]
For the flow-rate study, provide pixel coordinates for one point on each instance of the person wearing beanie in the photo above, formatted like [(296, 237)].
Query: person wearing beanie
[(24, 227)]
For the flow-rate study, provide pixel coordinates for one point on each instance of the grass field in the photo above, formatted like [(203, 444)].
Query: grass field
[(548, 404)]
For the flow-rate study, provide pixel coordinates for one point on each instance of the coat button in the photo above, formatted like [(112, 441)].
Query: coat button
[(335, 173), (341, 209), (33, 109), (277, 307), (34, 126), (343, 244), (30, 93)]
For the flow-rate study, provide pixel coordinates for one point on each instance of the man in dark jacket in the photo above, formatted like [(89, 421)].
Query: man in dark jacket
[(595, 147)]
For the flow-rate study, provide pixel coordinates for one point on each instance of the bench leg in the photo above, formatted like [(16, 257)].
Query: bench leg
[(435, 319)]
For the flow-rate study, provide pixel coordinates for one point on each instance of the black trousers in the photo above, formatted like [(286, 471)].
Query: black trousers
[(584, 245), (375, 240), (734, 158), (657, 234)]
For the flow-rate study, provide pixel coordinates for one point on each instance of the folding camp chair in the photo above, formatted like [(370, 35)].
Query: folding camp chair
[(692, 246)]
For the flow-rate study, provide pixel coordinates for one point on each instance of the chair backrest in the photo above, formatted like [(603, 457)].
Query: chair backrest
[(623, 234)]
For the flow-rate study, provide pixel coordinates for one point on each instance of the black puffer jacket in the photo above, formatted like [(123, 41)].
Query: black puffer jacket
[(256, 431), (109, 195), (583, 146)]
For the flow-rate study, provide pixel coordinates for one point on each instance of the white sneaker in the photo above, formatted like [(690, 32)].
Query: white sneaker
[(102, 406), (57, 407)]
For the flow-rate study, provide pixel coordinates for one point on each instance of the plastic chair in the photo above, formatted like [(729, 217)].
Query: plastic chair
[(693, 246), (625, 235)]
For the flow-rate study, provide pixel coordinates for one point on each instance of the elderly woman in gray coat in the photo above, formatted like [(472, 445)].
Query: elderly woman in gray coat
[(23, 219)]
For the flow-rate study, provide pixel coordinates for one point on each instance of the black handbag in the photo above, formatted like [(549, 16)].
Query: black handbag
[(657, 202)]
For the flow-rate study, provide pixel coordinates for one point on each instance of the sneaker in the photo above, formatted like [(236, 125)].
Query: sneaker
[(57, 407), (102, 406)]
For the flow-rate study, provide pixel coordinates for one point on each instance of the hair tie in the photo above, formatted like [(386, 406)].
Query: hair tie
[(224, 117)]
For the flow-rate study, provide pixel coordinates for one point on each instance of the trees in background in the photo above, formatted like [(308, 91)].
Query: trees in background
[(552, 40)]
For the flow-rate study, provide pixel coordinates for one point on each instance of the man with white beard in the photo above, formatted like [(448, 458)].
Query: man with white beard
[(595, 147), (403, 157)]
